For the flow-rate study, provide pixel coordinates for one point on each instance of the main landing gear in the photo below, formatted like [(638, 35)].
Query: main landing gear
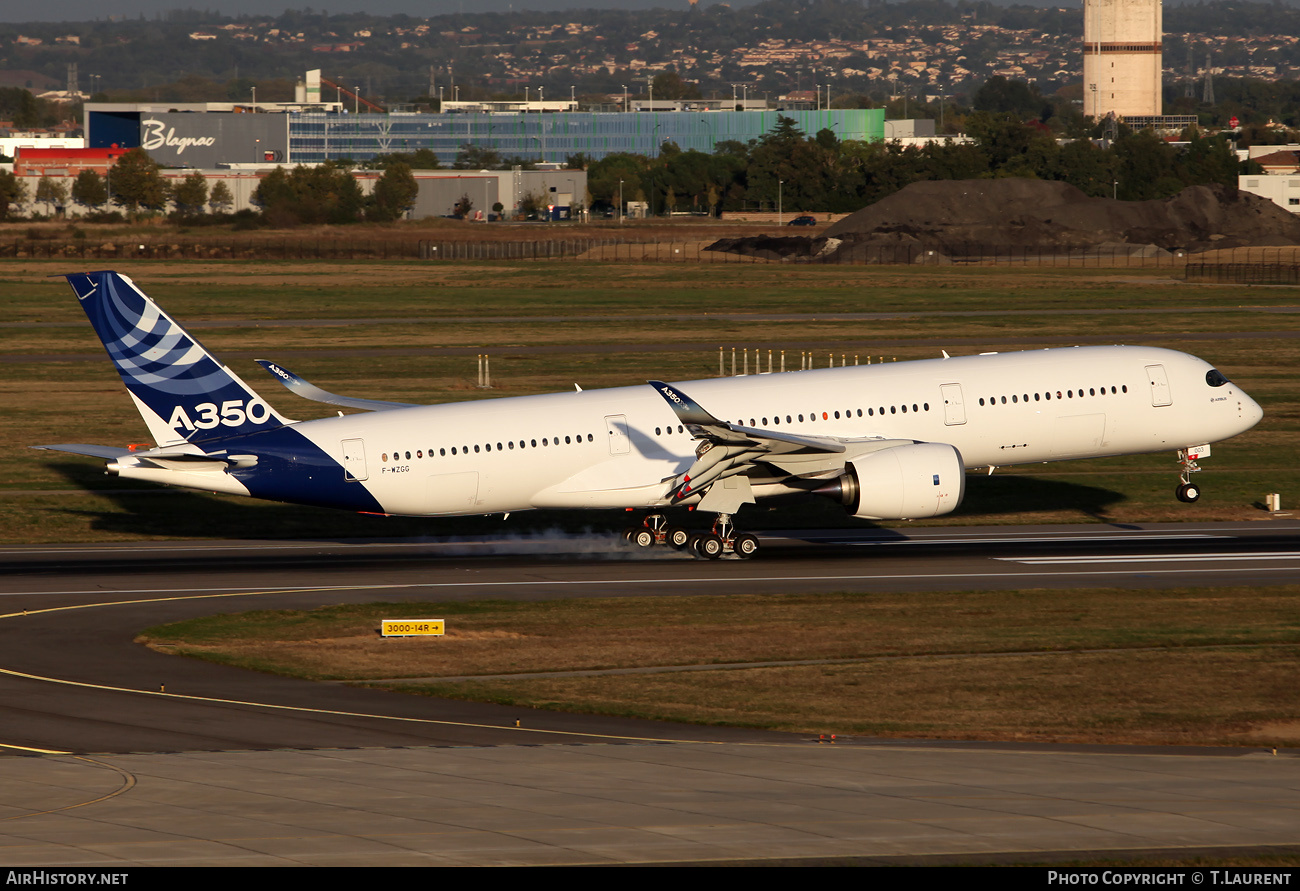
[(1188, 492), (720, 540)]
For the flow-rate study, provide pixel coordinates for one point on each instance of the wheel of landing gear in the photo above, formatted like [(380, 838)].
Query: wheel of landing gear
[(643, 538), (678, 537), (709, 546), (630, 531), (745, 545), (1189, 493)]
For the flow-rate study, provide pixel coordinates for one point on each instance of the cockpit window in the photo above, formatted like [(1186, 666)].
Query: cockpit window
[(1215, 378)]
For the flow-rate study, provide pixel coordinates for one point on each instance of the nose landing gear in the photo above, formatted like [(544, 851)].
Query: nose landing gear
[(1189, 492)]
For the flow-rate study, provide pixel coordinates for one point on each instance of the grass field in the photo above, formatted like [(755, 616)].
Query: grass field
[(410, 331), (1201, 666)]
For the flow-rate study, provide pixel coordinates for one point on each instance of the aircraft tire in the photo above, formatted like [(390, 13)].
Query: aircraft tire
[(709, 546), (745, 545), (643, 538), (1189, 493), (678, 537)]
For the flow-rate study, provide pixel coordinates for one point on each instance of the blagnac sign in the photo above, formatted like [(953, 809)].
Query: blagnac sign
[(154, 134), (187, 139)]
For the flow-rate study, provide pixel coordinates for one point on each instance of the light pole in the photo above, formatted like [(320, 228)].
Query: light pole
[(780, 209), (1114, 194), (620, 202), (356, 100), (625, 105)]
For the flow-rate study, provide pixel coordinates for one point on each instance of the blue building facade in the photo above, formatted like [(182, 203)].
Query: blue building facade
[(553, 136), (205, 135)]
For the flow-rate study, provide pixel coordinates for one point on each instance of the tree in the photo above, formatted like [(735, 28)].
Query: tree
[(12, 192), (669, 85), (88, 189), (326, 193), (220, 200), (1000, 95), (51, 192), (477, 157), (394, 194), (463, 206), (136, 182), (192, 194)]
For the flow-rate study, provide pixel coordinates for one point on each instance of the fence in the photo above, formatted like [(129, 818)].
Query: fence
[(1280, 265), (226, 249), (1246, 266)]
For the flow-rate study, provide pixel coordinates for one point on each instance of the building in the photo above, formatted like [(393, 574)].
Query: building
[(1122, 58), (64, 161), (312, 129), (1281, 189)]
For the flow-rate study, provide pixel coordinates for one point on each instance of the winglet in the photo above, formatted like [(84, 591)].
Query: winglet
[(301, 387), (687, 409)]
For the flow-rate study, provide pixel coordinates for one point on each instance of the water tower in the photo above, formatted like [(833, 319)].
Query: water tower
[(1122, 58)]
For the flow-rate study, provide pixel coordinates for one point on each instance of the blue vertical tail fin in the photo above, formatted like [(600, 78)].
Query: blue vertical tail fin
[(183, 393)]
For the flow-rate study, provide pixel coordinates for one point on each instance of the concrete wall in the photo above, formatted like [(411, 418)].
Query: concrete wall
[(439, 190)]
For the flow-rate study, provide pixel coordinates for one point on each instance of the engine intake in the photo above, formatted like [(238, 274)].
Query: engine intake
[(911, 482)]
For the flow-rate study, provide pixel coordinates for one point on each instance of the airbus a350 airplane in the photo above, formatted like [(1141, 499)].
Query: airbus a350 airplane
[(888, 441)]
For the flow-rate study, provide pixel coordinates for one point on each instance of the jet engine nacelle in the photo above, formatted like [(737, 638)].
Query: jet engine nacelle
[(911, 482)]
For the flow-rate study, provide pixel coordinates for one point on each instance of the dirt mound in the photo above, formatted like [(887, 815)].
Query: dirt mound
[(1016, 215)]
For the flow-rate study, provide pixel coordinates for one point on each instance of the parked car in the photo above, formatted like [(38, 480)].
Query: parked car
[(804, 220)]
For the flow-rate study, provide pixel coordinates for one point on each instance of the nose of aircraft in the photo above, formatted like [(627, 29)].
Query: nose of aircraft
[(1251, 413)]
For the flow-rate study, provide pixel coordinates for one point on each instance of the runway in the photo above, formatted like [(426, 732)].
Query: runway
[(143, 758)]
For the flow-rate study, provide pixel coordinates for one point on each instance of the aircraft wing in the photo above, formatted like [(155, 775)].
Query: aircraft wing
[(306, 390), (705, 426), (728, 450)]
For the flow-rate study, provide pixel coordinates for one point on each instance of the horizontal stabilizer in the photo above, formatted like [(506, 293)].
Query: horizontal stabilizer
[(81, 448), (301, 387)]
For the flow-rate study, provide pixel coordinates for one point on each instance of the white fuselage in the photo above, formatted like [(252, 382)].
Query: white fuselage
[(617, 447)]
